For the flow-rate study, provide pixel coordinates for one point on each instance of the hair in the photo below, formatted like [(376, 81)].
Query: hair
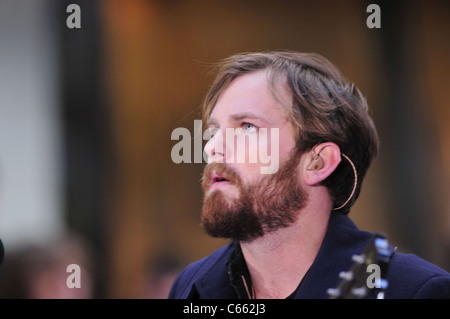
[(325, 108)]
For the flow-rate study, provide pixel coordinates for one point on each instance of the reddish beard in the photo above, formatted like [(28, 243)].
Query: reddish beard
[(262, 207)]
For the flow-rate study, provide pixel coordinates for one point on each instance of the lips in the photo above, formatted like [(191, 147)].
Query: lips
[(218, 178)]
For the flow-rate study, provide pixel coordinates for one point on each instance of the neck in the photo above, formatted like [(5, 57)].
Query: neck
[(278, 261)]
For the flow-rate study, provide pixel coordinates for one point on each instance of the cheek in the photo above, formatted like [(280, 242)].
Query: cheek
[(249, 173), (275, 140), (268, 148), (265, 141), (244, 149), (286, 142), (254, 148)]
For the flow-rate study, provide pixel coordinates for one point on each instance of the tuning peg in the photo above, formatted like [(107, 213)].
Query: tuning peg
[(380, 295), (381, 243), (358, 259), (359, 292), (384, 249), (381, 283), (333, 292), (347, 275)]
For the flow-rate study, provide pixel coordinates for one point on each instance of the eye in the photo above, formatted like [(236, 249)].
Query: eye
[(248, 127), (212, 131)]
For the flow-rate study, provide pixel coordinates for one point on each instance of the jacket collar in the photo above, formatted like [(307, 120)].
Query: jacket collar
[(215, 283), (341, 241)]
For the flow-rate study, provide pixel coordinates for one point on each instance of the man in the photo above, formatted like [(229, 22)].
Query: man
[(289, 229)]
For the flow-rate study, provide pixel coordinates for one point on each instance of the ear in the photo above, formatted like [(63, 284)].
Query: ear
[(320, 162)]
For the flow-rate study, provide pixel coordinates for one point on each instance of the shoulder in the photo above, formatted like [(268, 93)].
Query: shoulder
[(413, 277), (195, 271)]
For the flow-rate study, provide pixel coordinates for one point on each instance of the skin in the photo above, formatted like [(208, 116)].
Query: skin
[(276, 261)]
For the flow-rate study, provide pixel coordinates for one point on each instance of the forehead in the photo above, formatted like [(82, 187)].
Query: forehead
[(251, 94)]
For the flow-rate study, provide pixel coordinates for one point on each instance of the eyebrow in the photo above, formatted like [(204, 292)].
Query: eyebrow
[(240, 116)]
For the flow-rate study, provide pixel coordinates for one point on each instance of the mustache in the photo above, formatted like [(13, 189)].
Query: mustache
[(221, 169)]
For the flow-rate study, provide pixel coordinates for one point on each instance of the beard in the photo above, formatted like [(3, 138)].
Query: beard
[(262, 207)]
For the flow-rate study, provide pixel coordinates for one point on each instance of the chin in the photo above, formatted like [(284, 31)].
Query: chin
[(227, 192)]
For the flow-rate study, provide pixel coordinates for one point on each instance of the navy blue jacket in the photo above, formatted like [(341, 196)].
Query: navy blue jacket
[(408, 276)]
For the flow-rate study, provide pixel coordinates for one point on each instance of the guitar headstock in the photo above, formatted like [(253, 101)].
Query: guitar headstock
[(367, 277)]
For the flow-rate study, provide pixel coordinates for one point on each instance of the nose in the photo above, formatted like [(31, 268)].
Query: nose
[(215, 147)]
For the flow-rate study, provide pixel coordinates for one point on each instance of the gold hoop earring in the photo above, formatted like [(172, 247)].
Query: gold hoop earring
[(354, 185)]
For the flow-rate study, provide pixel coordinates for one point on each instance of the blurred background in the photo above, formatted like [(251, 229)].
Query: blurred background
[(86, 116)]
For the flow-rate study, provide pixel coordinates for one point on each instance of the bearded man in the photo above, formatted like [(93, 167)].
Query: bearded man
[(290, 231)]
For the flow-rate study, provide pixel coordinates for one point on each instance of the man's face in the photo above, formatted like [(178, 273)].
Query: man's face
[(240, 201)]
